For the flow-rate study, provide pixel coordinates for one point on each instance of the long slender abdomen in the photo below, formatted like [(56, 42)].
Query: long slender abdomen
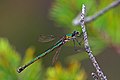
[(20, 69)]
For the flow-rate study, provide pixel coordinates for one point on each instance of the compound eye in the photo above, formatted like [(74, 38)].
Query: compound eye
[(77, 32)]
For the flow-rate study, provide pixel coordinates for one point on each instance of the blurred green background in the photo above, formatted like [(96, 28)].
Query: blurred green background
[(23, 21)]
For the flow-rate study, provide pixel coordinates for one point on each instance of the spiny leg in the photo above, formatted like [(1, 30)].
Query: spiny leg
[(74, 45), (81, 36), (79, 42)]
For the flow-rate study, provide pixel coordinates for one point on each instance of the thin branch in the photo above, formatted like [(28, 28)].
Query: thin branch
[(94, 76), (87, 47), (97, 14)]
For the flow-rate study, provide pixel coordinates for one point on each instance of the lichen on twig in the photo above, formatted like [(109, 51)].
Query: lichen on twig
[(87, 47)]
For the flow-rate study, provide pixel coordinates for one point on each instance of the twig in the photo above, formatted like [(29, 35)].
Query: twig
[(87, 47), (94, 76), (97, 14)]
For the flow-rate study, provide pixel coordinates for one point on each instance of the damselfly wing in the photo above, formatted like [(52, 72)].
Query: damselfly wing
[(46, 38)]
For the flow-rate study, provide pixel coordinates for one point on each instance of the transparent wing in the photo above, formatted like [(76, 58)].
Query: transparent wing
[(47, 38), (56, 55)]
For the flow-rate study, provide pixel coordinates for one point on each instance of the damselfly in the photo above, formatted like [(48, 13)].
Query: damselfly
[(57, 45)]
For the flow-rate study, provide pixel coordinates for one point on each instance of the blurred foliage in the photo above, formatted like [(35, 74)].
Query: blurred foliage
[(72, 72), (10, 61), (102, 32), (108, 24), (64, 11)]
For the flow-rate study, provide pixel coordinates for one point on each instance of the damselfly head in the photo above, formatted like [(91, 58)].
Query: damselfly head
[(75, 33)]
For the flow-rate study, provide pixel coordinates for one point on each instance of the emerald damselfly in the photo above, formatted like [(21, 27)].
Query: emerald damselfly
[(66, 38)]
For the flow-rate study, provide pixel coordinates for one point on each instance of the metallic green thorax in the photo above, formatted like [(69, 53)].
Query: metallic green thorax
[(69, 35)]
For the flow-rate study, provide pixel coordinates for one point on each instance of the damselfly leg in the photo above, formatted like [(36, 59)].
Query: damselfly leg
[(79, 42)]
